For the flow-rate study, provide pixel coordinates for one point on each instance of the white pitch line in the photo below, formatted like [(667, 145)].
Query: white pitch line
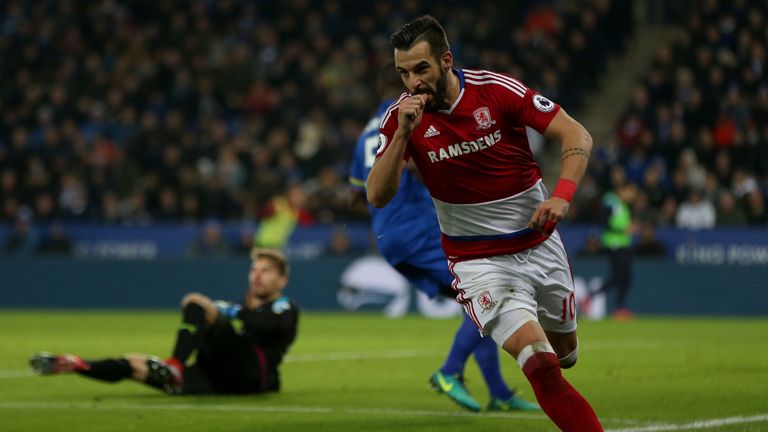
[(265, 409), (287, 409), (700, 424), (17, 373), (429, 413)]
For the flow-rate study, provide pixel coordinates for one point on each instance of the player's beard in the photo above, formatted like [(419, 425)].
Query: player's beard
[(438, 94)]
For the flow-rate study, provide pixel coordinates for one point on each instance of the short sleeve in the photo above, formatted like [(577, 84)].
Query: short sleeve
[(524, 106), (536, 111)]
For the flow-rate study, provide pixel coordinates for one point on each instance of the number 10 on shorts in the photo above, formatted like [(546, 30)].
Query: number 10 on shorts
[(569, 307)]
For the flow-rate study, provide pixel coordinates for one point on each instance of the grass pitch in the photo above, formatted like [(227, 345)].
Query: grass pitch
[(350, 372)]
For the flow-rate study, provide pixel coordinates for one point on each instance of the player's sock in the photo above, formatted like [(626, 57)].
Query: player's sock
[(175, 363), (187, 336), (464, 343), (110, 370), (487, 356), (562, 403)]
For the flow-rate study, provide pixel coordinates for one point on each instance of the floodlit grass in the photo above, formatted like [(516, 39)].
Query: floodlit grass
[(350, 372)]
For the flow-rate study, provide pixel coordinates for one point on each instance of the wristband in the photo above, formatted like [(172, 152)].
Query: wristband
[(565, 189)]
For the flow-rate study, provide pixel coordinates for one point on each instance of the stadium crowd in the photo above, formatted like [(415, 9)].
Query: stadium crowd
[(151, 112), (144, 112), (694, 136)]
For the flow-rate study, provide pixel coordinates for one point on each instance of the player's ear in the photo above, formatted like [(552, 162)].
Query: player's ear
[(446, 60)]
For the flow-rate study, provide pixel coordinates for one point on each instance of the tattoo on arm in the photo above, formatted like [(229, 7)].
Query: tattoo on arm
[(574, 152)]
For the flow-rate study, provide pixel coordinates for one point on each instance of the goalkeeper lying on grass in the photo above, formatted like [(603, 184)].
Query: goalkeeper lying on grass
[(239, 348)]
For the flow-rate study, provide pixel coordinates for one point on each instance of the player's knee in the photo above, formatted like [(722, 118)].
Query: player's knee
[(564, 344), (193, 313), (539, 364), (569, 360), (192, 297)]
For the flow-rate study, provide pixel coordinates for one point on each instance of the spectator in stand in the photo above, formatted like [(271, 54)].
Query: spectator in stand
[(729, 213), (210, 243), (209, 99), (668, 212), (339, 244), (25, 237), (695, 213), (757, 213), (57, 242), (647, 245), (709, 93)]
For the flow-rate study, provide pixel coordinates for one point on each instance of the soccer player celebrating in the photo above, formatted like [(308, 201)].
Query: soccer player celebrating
[(239, 347), (407, 235), (465, 132)]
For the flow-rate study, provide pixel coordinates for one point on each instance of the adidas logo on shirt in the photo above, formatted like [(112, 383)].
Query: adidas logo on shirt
[(431, 131)]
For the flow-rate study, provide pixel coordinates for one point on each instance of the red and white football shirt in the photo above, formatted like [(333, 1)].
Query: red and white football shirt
[(477, 164)]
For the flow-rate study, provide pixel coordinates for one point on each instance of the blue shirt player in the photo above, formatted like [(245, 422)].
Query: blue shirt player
[(407, 234)]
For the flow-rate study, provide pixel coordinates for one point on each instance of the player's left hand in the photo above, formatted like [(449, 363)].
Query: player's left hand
[(548, 214)]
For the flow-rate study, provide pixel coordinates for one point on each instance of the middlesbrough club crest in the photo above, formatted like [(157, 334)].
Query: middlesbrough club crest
[(486, 301), (483, 118)]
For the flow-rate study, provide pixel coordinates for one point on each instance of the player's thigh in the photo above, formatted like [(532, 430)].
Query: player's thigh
[(550, 275), (490, 289), (219, 337), (196, 381)]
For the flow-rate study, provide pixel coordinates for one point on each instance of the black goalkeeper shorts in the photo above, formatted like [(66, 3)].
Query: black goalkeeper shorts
[(225, 363)]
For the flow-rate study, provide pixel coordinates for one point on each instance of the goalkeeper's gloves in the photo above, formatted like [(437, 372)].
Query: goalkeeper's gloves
[(227, 309)]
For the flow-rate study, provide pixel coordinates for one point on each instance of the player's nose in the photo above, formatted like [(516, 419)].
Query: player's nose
[(414, 83)]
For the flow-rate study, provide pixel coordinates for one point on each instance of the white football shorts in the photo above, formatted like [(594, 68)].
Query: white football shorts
[(537, 280)]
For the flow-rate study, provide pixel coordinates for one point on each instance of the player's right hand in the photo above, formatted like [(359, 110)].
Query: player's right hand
[(410, 111), (548, 214)]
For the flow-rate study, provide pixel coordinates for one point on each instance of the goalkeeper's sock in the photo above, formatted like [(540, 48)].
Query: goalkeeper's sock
[(187, 338), (175, 363), (464, 343), (110, 370), (559, 400)]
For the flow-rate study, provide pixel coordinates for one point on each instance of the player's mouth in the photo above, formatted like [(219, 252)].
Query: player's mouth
[(426, 89)]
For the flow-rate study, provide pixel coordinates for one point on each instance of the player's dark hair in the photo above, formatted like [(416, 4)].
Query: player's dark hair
[(425, 28), (277, 258)]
